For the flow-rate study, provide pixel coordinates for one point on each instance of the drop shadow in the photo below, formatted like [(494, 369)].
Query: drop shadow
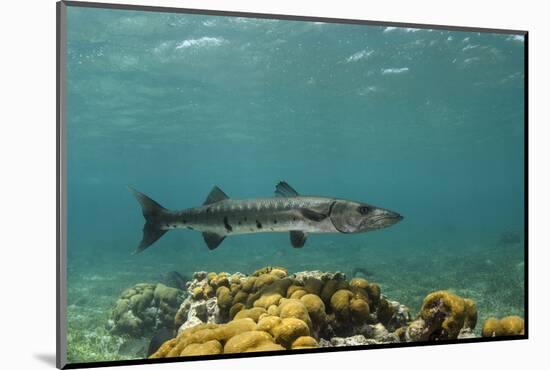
[(46, 358)]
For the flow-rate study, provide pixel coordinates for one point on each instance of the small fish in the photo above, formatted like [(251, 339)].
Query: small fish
[(133, 347), (173, 279), (221, 216), (361, 271), (158, 339)]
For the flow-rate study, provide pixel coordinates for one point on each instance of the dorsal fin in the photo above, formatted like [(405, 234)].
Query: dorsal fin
[(284, 190), (215, 195)]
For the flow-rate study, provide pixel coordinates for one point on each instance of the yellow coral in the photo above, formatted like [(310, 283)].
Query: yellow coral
[(304, 342), (268, 322), (251, 341), (315, 308), (268, 300), (339, 303), (509, 325), (212, 347), (211, 276), (208, 291), (279, 272), (294, 308), (359, 310), (252, 313), (248, 284), (359, 283), (263, 280), (240, 297), (446, 311), (491, 328), (330, 287), (219, 281), (298, 294), (198, 293), (512, 325), (269, 293), (313, 286), (273, 310), (291, 289), (224, 297), (288, 330)]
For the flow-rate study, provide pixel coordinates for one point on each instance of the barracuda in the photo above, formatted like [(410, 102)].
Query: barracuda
[(221, 216)]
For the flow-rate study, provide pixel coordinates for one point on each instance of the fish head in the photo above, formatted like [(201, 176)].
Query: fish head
[(355, 217)]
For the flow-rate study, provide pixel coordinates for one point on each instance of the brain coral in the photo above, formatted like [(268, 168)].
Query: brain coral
[(144, 307), (443, 315), (509, 325)]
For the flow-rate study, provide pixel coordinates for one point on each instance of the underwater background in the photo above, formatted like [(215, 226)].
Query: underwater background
[(428, 123)]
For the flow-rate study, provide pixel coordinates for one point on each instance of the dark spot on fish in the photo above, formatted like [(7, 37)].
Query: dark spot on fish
[(226, 225), (184, 221), (208, 210), (258, 224), (239, 222), (293, 218), (274, 221), (246, 219), (190, 228)]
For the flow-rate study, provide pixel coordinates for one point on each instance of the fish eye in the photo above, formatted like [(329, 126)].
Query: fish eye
[(363, 210)]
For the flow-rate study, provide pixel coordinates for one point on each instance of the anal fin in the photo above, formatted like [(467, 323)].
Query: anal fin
[(298, 238), (212, 240)]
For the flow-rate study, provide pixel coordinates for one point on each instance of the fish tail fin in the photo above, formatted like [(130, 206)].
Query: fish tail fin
[(153, 214)]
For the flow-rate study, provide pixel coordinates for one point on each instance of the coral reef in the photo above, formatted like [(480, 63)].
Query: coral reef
[(143, 308), (509, 325), (273, 310), (492, 276)]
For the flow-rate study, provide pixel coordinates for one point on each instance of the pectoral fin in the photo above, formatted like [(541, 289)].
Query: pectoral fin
[(313, 215), (298, 238), (212, 240)]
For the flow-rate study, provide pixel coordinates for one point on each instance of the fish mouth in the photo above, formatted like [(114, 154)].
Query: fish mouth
[(386, 220)]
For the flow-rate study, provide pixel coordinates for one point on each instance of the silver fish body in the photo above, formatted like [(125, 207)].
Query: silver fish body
[(221, 216), (235, 216)]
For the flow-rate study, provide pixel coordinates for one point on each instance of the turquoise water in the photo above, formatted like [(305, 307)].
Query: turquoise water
[(428, 123)]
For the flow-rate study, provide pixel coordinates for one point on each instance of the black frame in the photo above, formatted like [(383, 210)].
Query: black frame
[(61, 185)]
